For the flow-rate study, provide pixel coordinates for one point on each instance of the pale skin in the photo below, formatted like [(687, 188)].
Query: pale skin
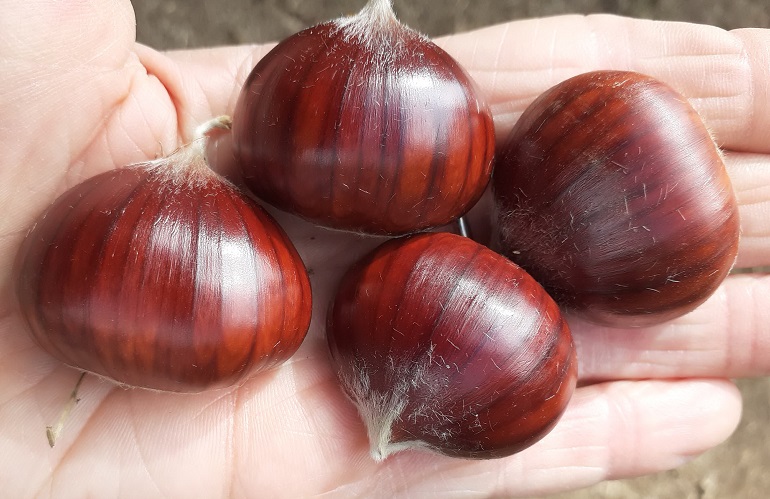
[(78, 96)]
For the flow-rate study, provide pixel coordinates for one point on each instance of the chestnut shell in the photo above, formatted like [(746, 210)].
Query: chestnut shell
[(364, 128), (163, 279), (442, 343), (613, 195)]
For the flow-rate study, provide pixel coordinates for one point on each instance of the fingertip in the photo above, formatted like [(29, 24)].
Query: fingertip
[(718, 405), (626, 429), (660, 425)]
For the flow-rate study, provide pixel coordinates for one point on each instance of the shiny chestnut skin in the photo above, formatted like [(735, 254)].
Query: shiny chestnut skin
[(444, 344), (613, 195), (362, 124), (169, 280)]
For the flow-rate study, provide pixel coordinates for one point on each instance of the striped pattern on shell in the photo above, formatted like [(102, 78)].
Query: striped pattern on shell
[(444, 344), (364, 127), (165, 280), (611, 192)]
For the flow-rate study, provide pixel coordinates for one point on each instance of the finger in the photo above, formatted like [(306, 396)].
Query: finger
[(203, 83), (750, 177), (609, 431), (49, 51), (115, 436), (728, 336), (756, 48), (714, 69), (724, 75)]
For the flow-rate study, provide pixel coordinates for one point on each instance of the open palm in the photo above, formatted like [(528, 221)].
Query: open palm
[(78, 96)]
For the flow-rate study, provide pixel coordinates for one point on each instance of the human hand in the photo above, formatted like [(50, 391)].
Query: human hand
[(78, 97)]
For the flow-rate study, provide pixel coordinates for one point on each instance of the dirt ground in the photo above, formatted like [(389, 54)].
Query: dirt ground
[(740, 468)]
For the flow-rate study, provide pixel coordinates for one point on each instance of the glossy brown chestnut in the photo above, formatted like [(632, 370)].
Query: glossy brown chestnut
[(612, 194), (163, 276), (362, 124), (443, 344)]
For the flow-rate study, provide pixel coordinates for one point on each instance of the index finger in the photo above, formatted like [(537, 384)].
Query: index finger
[(724, 74)]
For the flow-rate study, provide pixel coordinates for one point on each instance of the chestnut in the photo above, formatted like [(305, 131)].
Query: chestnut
[(444, 344), (612, 194), (165, 276), (364, 125)]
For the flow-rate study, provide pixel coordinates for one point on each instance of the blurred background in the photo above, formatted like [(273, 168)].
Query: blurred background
[(195, 23), (738, 469)]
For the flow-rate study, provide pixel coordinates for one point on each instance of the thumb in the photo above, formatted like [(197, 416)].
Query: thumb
[(58, 59), (64, 69), (59, 63)]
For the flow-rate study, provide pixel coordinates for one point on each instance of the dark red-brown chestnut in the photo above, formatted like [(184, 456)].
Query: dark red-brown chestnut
[(612, 194), (443, 344), (163, 276), (362, 124)]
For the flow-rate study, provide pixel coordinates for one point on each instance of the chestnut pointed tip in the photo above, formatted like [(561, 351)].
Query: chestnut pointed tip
[(379, 441), (377, 454), (380, 451)]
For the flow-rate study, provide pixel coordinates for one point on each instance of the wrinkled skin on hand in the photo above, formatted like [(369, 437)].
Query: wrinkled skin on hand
[(79, 96)]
